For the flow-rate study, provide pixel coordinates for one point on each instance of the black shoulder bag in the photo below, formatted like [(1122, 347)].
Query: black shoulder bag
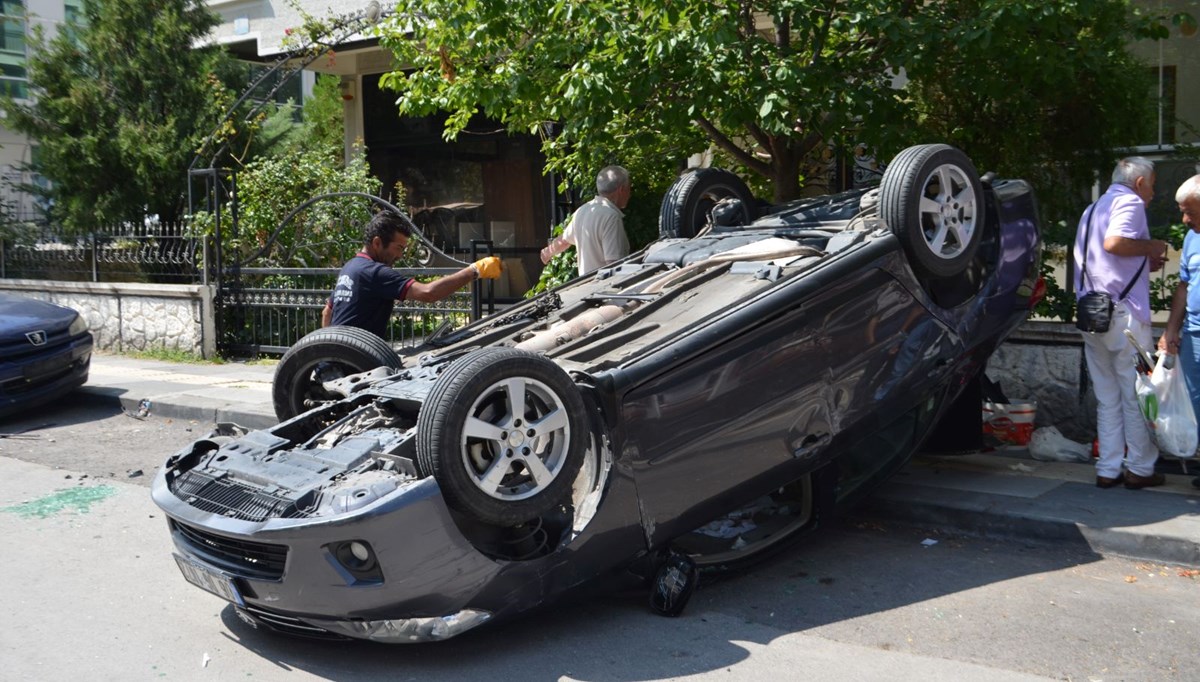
[(1093, 312)]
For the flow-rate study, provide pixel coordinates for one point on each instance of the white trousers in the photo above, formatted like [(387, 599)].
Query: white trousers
[(1119, 424)]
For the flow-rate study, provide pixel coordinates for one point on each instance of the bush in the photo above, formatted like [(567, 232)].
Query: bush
[(323, 235)]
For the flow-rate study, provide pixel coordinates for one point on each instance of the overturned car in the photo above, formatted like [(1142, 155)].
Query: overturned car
[(698, 405)]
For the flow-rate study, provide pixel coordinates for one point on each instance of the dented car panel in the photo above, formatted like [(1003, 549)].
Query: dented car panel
[(700, 404)]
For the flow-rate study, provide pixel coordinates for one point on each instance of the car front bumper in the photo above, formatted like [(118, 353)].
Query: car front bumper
[(285, 573), (393, 631), (36, 379)]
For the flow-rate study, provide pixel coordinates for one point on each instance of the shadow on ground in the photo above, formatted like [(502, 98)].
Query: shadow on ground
[(842, 574)]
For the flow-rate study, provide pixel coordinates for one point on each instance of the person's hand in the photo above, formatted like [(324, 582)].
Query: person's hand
[(1158, 254), (549, 251), (1169, 342), (488, 268)]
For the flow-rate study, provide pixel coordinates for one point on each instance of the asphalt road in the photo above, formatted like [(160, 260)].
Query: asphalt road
[(85, 434), (92, 593)]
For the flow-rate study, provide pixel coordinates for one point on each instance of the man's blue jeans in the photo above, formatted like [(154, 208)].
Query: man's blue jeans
[(1189, 356)]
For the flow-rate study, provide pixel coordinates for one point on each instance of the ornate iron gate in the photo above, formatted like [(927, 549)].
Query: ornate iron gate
[(265, 308)]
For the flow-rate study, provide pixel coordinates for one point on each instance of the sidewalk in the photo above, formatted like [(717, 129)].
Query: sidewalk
[(1011, 495), (231, 392), (1002, 493)]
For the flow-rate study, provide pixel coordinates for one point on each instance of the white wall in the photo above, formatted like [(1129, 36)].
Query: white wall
[(125, 317)]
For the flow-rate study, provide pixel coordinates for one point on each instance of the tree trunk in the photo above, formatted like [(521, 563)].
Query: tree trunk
[(785, 172)]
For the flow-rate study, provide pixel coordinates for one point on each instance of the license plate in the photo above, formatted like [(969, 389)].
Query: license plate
[(40, 368), (209, 579)]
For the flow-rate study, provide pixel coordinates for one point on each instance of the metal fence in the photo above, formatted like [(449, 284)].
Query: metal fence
[(260, 310), (153, 252), (272, 308)]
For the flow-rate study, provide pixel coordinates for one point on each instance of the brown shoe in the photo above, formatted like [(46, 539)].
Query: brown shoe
[(1106, 482), (1135, 482)]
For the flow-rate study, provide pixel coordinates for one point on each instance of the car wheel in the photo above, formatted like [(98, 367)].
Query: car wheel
[(688, 203), (324, 355), (503, 432), (932, 200)]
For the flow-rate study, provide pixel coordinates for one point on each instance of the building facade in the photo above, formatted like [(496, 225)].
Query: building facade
[(1174, 69), (21, 18)]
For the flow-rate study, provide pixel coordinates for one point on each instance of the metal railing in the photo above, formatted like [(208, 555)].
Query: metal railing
[(260, 310), (274, 307), (155, 252)]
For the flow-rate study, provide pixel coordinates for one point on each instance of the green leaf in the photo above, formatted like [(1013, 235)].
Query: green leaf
[(768, 104)]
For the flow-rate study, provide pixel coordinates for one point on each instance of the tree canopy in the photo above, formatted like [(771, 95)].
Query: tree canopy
[(121, 102), (773, 84)]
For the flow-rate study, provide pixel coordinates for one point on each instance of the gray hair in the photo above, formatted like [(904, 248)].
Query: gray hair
[(610, 179), (1130, 168), (1190, 189)]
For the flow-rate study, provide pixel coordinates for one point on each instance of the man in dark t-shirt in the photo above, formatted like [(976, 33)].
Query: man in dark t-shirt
[(368, 287)]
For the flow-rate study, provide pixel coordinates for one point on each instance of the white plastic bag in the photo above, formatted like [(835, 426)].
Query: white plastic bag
[(1167, 408), (1047, 444)]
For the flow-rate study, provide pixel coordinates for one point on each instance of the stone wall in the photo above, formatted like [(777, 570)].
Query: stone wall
[(126, 317), (1043, 363)]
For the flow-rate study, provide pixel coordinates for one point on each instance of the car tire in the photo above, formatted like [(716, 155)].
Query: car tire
[(325, 354), (688, 203), (467, 424), (932, 200)]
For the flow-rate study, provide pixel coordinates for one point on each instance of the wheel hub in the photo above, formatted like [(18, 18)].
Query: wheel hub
[(515, 439)]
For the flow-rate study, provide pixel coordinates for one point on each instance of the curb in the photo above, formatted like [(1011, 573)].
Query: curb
[(194, 407), (1168, 534)]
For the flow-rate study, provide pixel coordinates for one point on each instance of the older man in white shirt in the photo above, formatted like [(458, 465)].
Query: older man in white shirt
[(1113, 242), (597, 229)]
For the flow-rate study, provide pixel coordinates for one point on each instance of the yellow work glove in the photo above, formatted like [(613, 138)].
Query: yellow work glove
[(488, 268)]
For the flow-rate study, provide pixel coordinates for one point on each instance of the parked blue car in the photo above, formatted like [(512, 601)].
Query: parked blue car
[(45, 352)]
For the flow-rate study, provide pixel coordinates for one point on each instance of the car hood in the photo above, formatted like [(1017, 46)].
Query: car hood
[(19, 314)]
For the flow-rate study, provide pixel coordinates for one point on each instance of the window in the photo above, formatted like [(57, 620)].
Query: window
[(486, 184), (1165, 77), (73, 12), (1175, 67), (290, 92), (12, 49)]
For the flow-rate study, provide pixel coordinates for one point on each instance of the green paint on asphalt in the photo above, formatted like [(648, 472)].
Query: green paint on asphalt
[(78, 499)]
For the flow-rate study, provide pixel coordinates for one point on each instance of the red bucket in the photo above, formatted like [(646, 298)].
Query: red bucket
[(1009, 423)]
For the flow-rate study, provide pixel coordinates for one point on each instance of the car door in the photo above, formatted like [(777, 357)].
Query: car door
[(759, 406)]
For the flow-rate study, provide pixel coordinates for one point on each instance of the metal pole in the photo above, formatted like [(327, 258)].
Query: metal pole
[(213, 185), (95, 264), (476, 286)]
